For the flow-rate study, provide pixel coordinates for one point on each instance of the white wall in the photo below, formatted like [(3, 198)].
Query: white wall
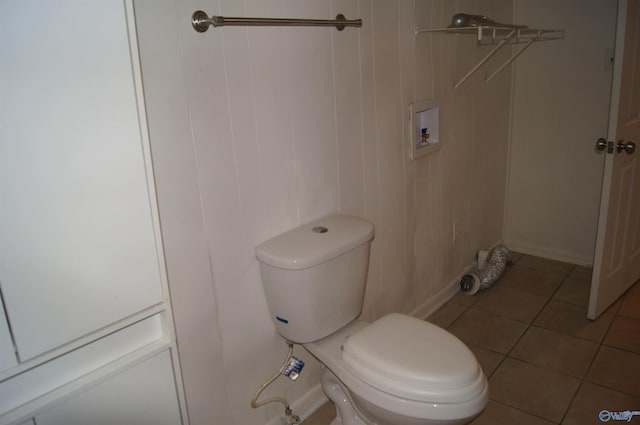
[(257, 130), (560, 108)]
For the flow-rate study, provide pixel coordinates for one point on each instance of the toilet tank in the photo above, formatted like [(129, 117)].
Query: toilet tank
[(314, 276)]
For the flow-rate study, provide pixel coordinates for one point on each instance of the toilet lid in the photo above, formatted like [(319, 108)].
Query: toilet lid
[(414, 359)]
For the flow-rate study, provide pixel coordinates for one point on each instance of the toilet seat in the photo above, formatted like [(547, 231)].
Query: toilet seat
[(413, 359), (399, 392)]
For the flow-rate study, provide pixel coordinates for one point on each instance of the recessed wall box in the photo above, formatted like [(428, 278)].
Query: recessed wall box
[(424, 128)]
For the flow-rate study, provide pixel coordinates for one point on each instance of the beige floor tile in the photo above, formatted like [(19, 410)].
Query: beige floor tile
[(624, 333), (323, 416), (464, 299), (574, 291), (488, 330), (554, 351), (497, 413), (580, 272), (447, 314), (616, 369), (593, 399), (572, 320), (527, 388), (530, 281), (489, 360), (546, 265), (533, 389), (631, 304), (512, 304)]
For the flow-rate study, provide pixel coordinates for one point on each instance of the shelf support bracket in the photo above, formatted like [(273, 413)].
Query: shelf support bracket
[(495, 50), (512, 58)]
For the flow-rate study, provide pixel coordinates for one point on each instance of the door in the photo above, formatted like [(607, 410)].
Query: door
[(617, 256)]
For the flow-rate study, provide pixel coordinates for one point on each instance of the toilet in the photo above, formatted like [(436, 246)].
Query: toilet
[(398, 370)]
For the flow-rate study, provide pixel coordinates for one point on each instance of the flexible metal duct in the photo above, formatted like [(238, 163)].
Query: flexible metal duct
[(486, 276)]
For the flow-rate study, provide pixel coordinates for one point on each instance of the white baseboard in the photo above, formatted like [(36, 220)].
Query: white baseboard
[(429, 307), (436, 301), (549, 253)]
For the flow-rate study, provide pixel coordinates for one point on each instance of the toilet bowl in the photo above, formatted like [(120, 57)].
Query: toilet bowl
[(398, 370)]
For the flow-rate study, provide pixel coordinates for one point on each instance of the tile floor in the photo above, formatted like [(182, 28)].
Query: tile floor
[(545, 361)]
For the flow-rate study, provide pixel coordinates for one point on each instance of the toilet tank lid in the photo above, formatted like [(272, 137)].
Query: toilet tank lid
[(316, 242)]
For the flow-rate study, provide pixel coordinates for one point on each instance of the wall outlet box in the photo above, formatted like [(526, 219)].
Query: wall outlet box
[(424, 128)]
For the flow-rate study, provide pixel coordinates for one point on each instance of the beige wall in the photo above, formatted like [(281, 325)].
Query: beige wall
[(257, 130), (560, 108)]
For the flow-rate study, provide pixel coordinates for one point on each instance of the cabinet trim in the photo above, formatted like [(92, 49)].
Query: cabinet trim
[(129, 346)]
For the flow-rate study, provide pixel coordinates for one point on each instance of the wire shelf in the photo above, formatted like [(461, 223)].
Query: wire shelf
[(499, 36)]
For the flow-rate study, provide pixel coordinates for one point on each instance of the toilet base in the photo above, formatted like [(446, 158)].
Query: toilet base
[(346, 414)]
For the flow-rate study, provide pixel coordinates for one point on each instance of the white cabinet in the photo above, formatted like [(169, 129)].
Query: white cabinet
[(78, 248), (142, 395), (81, 264), (7, 353)]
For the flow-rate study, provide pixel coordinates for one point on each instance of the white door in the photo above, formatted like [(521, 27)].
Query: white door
[(617, 256)]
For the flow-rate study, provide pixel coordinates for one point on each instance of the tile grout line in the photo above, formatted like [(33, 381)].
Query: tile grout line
[(526, 412), (530, 324), (583, 377), (466, 306), (593, 360), (602, 343)]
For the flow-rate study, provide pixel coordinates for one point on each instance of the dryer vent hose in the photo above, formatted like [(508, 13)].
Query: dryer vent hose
[(486, 275)]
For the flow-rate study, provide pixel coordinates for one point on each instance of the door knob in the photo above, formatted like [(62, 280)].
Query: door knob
[(601, 144), (628, 147)]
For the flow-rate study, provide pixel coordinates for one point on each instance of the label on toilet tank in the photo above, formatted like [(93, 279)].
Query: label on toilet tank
[(292, 368)]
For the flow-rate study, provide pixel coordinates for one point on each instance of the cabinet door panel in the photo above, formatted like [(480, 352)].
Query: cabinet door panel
[(78, 245), (7, 353), (144, 394)]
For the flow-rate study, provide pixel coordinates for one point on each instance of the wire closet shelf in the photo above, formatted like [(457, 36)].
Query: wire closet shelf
[(499, 36)]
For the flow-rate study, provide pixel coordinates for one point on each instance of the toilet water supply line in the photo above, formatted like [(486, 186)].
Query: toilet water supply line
[(290, 368)]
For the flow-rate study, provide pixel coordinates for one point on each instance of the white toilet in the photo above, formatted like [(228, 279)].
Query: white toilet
[(398, 370)]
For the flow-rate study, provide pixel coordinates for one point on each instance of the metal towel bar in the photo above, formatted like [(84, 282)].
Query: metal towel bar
[(201, 21)]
